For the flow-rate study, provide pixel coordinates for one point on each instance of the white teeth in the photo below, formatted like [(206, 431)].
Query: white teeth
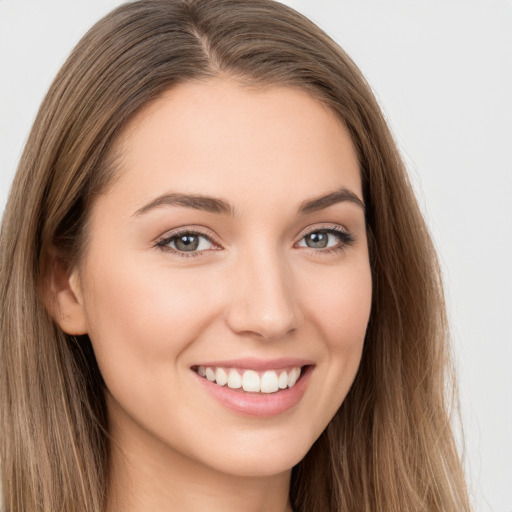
[(210, 374), (221, 377), (251, 381), (293, 376), (234, 380), (283, 380), (269, 382)]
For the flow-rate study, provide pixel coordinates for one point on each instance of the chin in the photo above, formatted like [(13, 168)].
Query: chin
[(255, 461)]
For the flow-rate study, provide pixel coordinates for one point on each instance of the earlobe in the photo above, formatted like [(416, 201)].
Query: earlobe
[(65, 299)]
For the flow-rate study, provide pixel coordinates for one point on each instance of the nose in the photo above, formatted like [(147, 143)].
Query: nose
[(263, 302)]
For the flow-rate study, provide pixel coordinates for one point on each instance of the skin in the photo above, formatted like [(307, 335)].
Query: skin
[(256, 290)]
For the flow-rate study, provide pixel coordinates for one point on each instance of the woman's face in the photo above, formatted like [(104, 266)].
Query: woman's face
[(230, 251)]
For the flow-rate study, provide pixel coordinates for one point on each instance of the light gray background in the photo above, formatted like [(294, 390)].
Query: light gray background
[(442, 71)]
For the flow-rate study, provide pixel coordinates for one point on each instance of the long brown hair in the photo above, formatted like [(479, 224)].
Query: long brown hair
[(390, 445)]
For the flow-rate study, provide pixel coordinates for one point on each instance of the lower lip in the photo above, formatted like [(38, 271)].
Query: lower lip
[(262, 405)]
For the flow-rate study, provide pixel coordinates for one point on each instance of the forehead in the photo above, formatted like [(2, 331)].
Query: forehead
[(221, 138)]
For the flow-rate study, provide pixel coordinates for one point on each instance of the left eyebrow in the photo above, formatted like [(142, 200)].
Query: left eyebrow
[(338, 196), (223, 207)]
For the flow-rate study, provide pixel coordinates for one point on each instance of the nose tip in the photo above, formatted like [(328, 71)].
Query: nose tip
[(264, 304), (267, 325)]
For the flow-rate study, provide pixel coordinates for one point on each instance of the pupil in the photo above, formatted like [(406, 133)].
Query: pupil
[(318, 240), (187, 242)]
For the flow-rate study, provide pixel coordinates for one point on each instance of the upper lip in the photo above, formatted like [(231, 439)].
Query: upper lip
[(258, 364)]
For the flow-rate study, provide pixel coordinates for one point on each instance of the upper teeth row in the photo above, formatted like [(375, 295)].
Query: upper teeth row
[(269, 382)]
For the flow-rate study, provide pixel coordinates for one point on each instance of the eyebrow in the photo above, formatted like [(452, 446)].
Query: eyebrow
[(338, 196), (220, 206)]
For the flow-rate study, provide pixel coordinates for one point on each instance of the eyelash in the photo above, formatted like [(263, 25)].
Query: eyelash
[(345, 238)]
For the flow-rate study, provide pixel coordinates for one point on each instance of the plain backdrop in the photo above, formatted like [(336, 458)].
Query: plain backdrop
[(442, 72)]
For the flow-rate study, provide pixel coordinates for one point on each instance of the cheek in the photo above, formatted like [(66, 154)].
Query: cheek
[(141, 314), (142, 318), (340, 311), (341, 306)]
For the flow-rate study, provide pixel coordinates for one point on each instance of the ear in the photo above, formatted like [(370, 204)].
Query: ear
[(64, 297)]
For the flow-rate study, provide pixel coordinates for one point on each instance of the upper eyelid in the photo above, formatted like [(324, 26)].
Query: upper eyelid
[(324, 227), (187, 230)]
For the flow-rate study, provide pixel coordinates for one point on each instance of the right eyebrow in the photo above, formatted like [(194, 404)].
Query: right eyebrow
[(196, 201)]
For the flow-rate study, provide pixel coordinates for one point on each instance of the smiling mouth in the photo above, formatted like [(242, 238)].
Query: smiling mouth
[(252, 381)]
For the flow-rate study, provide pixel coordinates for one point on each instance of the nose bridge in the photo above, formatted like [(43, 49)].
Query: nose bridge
[(264, 302)]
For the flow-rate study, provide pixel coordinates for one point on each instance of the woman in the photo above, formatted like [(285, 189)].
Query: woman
[(217, 288)]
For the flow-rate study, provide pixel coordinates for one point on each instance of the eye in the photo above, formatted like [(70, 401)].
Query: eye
[(186, 243), (189, 243), (331, 239)]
